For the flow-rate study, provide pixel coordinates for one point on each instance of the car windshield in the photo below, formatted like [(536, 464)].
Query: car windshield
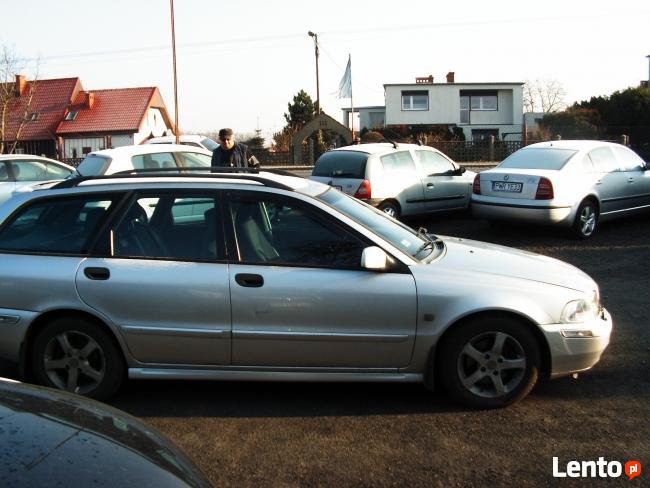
[(413, 243), (341, 164), (538, 158), (209, 144)]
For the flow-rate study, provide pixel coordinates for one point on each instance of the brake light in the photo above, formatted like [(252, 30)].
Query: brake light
[(363, 192), (476, 186), (544, 189)]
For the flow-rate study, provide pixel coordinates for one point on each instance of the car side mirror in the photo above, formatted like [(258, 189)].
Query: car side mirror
[(374, 258), (461, 170)]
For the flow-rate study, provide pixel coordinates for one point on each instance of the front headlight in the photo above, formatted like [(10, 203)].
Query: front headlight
[(582, 310)]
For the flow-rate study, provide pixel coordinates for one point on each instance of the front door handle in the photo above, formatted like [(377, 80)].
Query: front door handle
[(100, 274), (249, 280)]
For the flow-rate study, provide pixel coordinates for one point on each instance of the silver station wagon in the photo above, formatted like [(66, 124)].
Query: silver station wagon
[(574, 184), (258, 276)]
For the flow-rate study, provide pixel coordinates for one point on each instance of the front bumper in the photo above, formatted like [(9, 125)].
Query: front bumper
[(574, 354)]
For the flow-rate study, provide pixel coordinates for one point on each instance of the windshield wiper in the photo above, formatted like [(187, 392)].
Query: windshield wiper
[(424, 234)]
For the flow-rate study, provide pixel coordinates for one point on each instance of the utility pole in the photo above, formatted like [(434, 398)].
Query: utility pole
[(315, 36), (177, 130)]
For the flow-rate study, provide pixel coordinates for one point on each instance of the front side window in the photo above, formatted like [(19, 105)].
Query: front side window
[(276, 230), (433, 163), (166, 226), (194, 160), (630, 161), (63, 226), (153, 161), (415, 100)]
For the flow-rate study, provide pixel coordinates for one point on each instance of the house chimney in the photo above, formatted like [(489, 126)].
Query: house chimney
[(21, 81), (424, 79), (89, 99), (450, 77)]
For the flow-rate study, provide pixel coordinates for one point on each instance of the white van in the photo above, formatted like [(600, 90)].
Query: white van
[(400, 179)]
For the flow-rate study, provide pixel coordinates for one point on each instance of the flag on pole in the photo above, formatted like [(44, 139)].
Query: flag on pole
[(345, 86)]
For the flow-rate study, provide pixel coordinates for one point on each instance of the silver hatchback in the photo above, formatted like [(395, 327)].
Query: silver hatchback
[(267, 277)]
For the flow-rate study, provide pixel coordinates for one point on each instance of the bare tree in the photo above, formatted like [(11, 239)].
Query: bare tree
[(15, 106), (546, 95)]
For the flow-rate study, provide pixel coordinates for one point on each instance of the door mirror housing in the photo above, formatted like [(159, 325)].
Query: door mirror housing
[(374, 258)]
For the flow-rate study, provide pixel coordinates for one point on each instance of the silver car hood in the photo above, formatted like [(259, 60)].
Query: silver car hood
[(494, 260)]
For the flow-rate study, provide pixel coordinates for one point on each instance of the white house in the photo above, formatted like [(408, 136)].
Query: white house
[(479, 109)]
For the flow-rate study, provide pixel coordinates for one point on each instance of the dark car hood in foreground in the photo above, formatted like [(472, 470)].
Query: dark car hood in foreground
[(50, 438)]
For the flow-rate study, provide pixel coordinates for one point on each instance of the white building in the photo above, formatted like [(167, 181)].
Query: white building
[(479, 109)]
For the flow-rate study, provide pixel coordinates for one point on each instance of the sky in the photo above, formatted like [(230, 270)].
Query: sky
[(240, 63)]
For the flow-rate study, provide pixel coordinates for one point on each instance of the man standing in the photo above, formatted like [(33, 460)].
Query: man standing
[(232, 154)]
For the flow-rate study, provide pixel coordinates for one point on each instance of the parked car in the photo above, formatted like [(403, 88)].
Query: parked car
[(151, 157), (400, 179), (54, 438), (258, 276), (575, 184), (20, 170), (196, 140)]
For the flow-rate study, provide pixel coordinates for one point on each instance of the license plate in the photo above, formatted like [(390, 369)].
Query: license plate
[(506, 186)]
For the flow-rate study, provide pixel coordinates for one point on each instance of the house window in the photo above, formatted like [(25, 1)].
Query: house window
[(483, 102), (477, 101), (33, 116), (71, 115), (415, 100)]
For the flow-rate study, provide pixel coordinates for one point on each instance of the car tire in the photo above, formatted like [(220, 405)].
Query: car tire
[(586, 220), (489, 362), (77, 355), (392, 209)]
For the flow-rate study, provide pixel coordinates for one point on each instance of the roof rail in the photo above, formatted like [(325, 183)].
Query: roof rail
[(251, 174)]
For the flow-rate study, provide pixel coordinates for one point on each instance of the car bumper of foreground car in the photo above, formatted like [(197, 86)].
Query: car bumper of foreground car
[(577, 347), (537, 214)]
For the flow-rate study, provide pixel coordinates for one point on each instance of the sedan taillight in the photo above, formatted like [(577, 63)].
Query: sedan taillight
[(544, 189), (363, 192), (476, 186)]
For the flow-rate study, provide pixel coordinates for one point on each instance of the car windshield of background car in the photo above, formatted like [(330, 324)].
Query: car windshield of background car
[(209, 144), (538, 158), (341, 164), (93, 165), (393, 231)]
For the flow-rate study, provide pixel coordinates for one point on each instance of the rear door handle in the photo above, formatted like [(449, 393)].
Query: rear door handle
[(249, 280), (100, 274)]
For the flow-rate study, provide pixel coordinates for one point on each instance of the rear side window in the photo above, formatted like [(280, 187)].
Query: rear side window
[(603, 160), (38, 171), (153, 161), (538, 158), (341, 164), (399, 162), (64, 226)]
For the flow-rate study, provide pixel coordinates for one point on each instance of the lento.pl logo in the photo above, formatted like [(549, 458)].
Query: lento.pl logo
[(596, 469)]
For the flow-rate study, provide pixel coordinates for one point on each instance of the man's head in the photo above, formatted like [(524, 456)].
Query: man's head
[(226, 139)]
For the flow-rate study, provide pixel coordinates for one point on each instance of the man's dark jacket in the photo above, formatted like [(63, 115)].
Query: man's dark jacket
[(237, 157)]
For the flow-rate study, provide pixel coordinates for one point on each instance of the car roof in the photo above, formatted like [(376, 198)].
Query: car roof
[(127, 151), (380, 147), (182, 137), (577, 145)]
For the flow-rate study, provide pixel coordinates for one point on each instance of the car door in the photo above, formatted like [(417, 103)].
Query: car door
[(636, 176), (444, 188), (611, 184), (7, 185), (299, 297), (400, 179), (161, 277)]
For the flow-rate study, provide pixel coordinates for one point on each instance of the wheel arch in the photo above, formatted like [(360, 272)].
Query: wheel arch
[(545, 352), (41, 322)]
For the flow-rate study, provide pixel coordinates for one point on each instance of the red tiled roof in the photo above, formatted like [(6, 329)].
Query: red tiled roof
[(121, 109), (50, 100)]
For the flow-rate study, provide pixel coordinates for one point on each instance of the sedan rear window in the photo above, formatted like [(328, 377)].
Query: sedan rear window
[(538, 158), (93, 165), (341, 164)]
